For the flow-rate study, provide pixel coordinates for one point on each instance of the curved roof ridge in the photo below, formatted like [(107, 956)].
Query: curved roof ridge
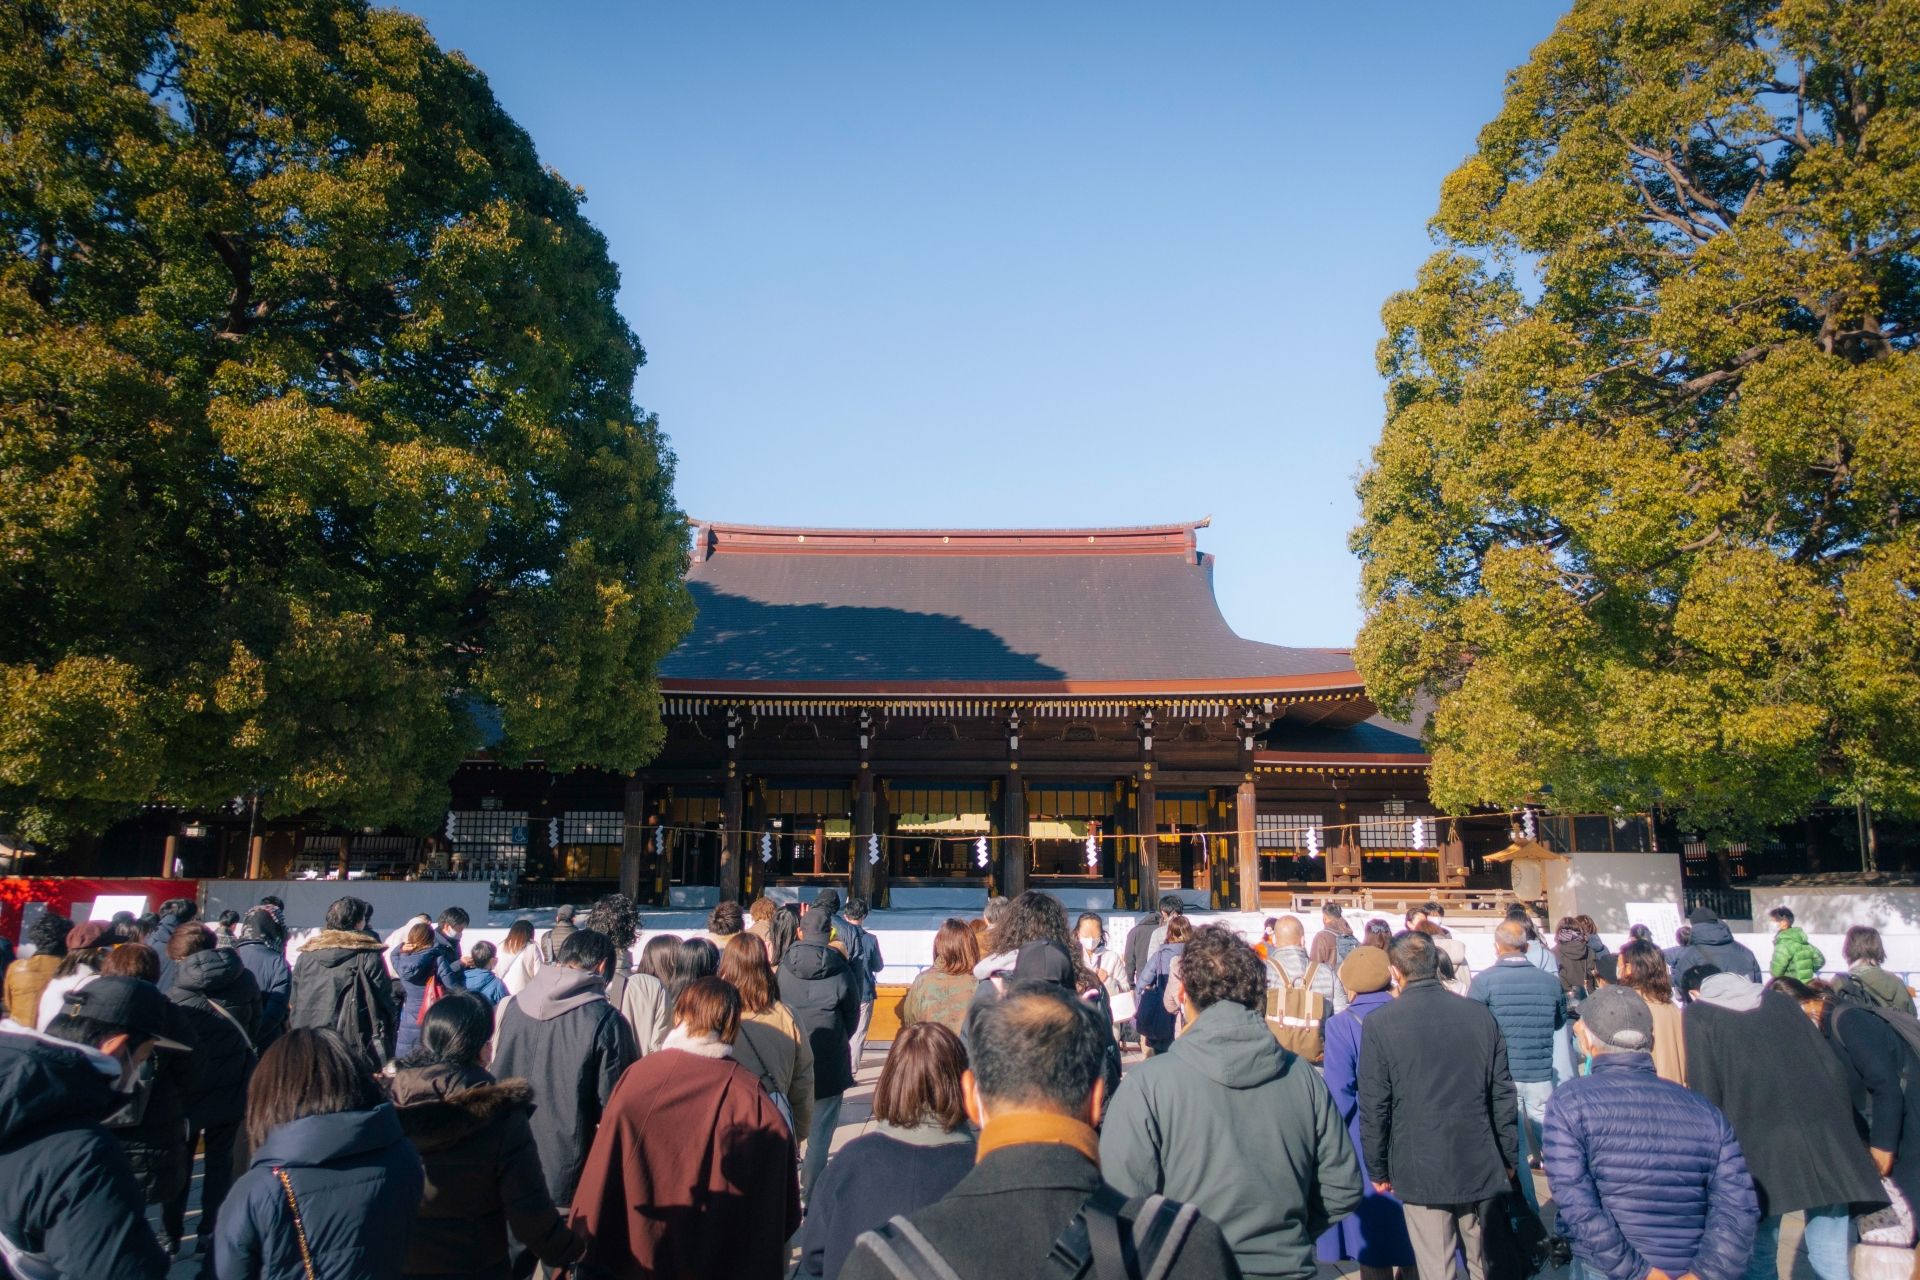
[(718, 538)]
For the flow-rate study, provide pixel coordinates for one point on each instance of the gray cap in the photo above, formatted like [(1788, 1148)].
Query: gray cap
[(1619, 1018)]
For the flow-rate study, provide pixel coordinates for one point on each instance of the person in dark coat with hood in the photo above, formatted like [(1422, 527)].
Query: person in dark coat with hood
[(340, 984), (483, 1171), (571, 1046), (151, 1124), (1575, 960), (1440, 1130), (1883, 1078), (1754, 1054), (333, 1184), (221, 1003), (68, 1199), (173, 913), (1710, 942), (819, 985), (261, 950), (1647, 1175)]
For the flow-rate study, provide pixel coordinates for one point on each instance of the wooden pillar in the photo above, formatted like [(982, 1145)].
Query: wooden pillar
[(1013, 824), (256, 857), (732, 817), (863, 831), (1453, 856), (1146, 822), (169, 855), (1246, 845), (881, 801), (345, 856), (633, 839)]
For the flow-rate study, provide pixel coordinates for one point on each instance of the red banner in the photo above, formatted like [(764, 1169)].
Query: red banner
[(61, 892)]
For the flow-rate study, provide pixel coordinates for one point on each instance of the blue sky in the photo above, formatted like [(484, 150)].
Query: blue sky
[(1016, 264)]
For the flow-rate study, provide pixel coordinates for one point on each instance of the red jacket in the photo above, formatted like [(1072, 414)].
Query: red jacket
[(692, 1175)]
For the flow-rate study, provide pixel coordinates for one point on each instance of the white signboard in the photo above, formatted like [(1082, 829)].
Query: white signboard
[(107, 905), (1662, 919)]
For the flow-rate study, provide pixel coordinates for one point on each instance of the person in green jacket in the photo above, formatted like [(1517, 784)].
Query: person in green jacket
[(1793, 956), (1231, 1123)]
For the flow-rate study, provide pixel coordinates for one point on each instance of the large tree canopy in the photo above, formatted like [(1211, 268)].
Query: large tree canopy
[(317, 437), (1645, 517)]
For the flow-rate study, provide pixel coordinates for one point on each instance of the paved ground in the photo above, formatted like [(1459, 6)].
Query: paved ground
[(857, 1119)]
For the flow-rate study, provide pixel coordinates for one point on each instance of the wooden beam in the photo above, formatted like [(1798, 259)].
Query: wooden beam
[(1012, 875), (1246, 846), (633, 839), (732, 814)]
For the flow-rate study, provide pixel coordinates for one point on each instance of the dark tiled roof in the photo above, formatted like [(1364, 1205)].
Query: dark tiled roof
[(1378, 735), (899, 610)]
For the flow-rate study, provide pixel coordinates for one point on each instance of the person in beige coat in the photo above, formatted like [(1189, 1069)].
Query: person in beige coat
[(770, 1043)]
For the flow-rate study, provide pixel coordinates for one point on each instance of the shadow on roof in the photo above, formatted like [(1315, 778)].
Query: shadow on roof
[(737, 638)]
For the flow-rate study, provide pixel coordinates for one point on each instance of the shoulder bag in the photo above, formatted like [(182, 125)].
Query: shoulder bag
[(299, 1227), (1297, 1015)]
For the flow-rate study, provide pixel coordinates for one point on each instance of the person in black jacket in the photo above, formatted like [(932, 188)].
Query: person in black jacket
[(819, 985), (1034, 1089), (1710, 944), (340, 984), (151, 1123), (483, 1171), (863, 952), (571, 1046), (1753, 1054), (261, 954), (173, 913), (1439, 1129), (221, 1003), (68, 1199)]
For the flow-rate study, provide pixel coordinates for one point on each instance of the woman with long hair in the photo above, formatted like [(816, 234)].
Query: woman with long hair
[(475, 1144), (921, 1148), (1644, 968), (519, 957), (333, 1183), (944, 992), (643, 1001), (694, 959), (692, 1172), (782, 933), (770, 1043), (428, 966), (1035, 917), (1377, 933)]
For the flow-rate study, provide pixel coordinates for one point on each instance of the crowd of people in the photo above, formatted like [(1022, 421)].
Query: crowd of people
[(571, 1102)]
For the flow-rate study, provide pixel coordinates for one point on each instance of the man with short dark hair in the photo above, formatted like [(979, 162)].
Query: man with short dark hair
[(551, 940), (1229, 1122), (1034, 1087), (1793, 956), (562, 1037), (1648, 1176), (69, 1204), (817, 983), (1439, 1118), (863, 952), (1335, 941), (725, 920)]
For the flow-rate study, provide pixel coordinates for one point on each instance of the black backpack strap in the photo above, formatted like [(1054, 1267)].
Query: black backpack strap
[(1160, 1229), (904, 1252)]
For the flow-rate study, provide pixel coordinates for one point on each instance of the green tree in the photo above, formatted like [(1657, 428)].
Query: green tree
[(1645, 516), (317, 437)]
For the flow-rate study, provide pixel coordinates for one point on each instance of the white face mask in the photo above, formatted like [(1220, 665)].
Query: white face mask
[(1088, 944)]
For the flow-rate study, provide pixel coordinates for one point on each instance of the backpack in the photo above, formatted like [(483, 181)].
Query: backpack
[(1297, 1014), (356, 1016), (1103, 1242), (1151, 1017)]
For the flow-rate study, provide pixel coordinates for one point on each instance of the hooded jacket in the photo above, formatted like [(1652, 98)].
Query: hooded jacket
[(1794, 957), (225, 1057), (1713, 944), (1880, 988), (340, 984), (562, 1037), (67, 1194), (483, 1175), (1579, 972), (357, 1183), (1229, 1120), (275, 980), (1747, 1050), (1647, 1174), (819, 986), (863, 953)]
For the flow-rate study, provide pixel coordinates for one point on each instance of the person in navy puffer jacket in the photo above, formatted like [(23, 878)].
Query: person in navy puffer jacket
[(1531, 1008), (1648, 1176)]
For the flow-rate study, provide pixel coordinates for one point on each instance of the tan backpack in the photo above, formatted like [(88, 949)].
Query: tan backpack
[(1297, 1014)]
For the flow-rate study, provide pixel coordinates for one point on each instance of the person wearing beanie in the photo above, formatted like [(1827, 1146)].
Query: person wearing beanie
[(1531, 1007), (818, 985), (1648, 1176), (87, 943), (1711, 943), (1752, 1053), (551, 941), (1375, 1235)]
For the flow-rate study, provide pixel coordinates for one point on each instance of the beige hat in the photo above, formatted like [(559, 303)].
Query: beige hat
[(1365, 970)]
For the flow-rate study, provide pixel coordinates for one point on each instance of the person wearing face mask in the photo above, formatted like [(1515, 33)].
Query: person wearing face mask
[(70, 1208), (1091, 932)]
